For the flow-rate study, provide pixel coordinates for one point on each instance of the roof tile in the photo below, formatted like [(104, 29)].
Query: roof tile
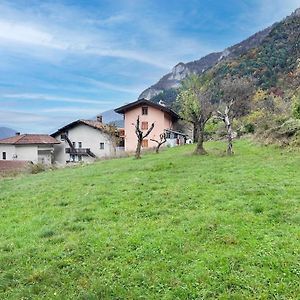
[(29, 139)]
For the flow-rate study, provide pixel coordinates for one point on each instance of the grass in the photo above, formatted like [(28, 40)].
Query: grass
[(170, 226)]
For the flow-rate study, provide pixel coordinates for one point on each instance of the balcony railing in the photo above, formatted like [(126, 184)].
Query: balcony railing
[(80, 151)]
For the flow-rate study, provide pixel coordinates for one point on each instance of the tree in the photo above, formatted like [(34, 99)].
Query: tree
[(296, 106), (196, 106), (268, 110), (140, 137), (236, 94), (160, 142), (113, 134)]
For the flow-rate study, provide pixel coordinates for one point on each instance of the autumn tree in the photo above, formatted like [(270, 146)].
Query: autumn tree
[(268, 110), (140, 137), (296, 106), (235, 102), (196, 106)]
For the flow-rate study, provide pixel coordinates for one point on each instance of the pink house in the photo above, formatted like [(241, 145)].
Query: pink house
[(149, 112)]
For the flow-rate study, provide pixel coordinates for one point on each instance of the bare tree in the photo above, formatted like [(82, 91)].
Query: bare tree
[(196, 106), (236, 94), (140, 137), (226, 119), (160, 142)]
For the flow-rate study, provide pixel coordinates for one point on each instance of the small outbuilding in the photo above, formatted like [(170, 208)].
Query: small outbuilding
[(36, 148)]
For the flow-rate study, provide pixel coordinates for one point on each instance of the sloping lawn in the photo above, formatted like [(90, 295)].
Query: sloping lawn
[(170, 226)]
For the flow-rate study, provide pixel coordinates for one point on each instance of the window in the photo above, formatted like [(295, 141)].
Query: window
[(121, 132), (101, 146), (72, 157), (79, 158), (74, 144), (4, 155), (79, 144), (144, 125), (145, 110), (64, 135), (145, 143)]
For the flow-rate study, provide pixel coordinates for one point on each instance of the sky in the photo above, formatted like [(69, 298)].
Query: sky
[(63, 60)]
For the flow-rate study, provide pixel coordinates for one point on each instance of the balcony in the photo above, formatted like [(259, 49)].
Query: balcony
[(80, 151)]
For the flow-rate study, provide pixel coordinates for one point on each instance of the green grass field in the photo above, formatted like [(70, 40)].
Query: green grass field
[(170, 226)]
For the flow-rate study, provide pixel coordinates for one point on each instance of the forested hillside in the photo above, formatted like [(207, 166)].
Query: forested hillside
[(271, 57)]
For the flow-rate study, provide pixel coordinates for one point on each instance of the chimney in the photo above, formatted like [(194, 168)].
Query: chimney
[(99, 119), (18, 133)]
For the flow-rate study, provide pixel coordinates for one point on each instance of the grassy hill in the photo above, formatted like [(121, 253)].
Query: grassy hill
[(171, 226)]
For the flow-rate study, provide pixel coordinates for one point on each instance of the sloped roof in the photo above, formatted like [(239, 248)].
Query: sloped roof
[(29, 139), (127, 107), (92, 123)]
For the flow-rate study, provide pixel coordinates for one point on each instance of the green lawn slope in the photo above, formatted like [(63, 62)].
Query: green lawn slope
[(169, 226)]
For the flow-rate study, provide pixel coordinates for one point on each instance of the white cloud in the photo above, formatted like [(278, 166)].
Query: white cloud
[(115, 87), (22, 33), (265, 13), (71, 110), (71, 41), (52, 98), (152, 42)]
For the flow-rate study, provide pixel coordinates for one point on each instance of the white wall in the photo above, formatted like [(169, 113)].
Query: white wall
[(35, 153), (27, 152), (90, 138), (10, 151)]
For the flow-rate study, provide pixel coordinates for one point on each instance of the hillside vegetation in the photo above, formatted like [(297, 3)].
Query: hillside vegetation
[(271, 61), (171, 226), (274, 63)]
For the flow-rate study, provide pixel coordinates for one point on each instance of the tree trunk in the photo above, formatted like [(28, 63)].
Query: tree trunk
[(229, 136), (195, 133), (138, 149), (157, 148), (200, 149)]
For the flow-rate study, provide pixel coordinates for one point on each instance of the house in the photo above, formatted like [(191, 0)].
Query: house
[(37, 148), (149, 112), (175, 138), (84, 140)]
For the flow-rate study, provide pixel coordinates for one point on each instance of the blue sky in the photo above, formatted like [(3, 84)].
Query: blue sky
[(62, 60)]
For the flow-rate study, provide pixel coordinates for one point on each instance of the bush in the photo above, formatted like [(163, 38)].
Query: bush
[(211, 128), (296, 107), (288, 134), (249, 128), (37, 168)]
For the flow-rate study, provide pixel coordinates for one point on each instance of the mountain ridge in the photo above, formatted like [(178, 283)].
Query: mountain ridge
[(182, 70), (6, 132)]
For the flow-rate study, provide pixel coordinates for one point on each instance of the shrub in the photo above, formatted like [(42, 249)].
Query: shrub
[(249, 128), (37, 168), (296, 107)]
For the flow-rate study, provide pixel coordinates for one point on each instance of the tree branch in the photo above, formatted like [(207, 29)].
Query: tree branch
[(149, 131)]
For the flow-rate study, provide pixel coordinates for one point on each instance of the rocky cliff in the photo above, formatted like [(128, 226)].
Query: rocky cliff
[(182, 70)]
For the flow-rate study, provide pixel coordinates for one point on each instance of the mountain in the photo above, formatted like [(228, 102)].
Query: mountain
[(256, 48), (274, 63), (6, 132), (111, 117)]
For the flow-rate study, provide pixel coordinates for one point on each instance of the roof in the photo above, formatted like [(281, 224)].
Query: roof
[(91, 123), (29, 139), (176, 132), (127, 107)]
